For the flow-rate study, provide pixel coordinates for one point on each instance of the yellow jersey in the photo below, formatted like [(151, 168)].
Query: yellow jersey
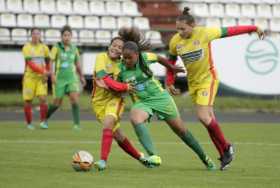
[(104, 66), (38, 54), (195, 52)]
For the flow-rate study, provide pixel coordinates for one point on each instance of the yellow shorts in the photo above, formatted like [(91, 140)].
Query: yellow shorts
[(33, 87), (113, 107), (205, 93)]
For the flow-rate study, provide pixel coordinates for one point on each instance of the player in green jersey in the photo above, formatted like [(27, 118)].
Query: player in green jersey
[(150, 98), (67, 75)]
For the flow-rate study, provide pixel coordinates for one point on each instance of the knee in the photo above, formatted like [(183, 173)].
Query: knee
[(136, 119), (204, 119), (109, 122)]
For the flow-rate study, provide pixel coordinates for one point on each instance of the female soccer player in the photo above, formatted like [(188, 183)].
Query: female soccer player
[(67, 75), (192, 44), (150, 98), (108, 105), (36, 55)]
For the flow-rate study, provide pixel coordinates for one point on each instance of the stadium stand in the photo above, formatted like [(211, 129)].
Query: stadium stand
[(87, 17)]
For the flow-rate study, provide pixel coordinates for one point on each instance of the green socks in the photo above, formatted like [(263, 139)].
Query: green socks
[(144, 137), (76, 114), (51, 109), (194, 145)]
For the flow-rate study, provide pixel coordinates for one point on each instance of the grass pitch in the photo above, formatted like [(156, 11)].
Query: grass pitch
[(42, 158)]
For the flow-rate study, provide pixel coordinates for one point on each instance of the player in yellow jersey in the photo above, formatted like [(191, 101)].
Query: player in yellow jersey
[(193, 45), (36, 56), (108, 105)]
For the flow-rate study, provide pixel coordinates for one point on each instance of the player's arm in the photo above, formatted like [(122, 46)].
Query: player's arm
[(79, 69), (28, 62), (102, 79), (238, 30), (53, 57)]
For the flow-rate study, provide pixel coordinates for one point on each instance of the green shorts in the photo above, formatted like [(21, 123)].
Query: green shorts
[(162, 105), (62, 88)]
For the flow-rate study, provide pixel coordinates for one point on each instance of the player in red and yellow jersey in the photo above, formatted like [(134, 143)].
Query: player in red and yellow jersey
[(108, 103), (36, 55), (193, 45)]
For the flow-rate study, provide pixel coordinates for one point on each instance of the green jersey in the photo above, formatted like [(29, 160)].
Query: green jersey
[(65, 60), (146, 86)]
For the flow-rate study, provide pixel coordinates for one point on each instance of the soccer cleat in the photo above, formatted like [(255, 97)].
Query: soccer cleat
[(210, 165), (44, 125), (30, 127), (154, 160), (100, 165), (76, 127), (145, 161), (227, 158)]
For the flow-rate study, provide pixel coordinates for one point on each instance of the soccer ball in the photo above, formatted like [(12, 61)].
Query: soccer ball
[(82, 161)]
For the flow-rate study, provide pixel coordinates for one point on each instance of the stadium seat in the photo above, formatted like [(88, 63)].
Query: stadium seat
[(262, 23), (275, 24), (41, 20), (76, 22), (58, 21), (113, 8), (115, 33), (124, 21), (264, 11), (154, 37), (2, 6), (8, 20), (201, 10), (47, 6), (276, 10), (80, 7), (31, 6), (92, 22), (248, 10), (97, 8), (64, 7), (130, 8), (4, 35), (74, 36), (24, 20), (103, 37), (108, 22), (228, 22), (141, 23), (52, 35), (19, 35), (244, 21), (14, 6), (213, 22), (216, 10), (232, 10), (86, 36)]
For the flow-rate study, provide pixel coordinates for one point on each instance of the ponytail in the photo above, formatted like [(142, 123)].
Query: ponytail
[(186, 16)]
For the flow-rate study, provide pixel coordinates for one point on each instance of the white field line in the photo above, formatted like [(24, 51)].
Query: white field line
[(5, 141)]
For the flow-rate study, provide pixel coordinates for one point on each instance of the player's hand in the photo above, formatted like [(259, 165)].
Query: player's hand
[(83, 81), (45, 76), (176, 69), (53, 78), (131, 88), (172, 90), (260, 33)]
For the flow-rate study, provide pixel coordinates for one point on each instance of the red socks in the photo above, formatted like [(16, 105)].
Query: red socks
[(127, 146), (217, 136), (107, 138), (43, 111), (28, 113)]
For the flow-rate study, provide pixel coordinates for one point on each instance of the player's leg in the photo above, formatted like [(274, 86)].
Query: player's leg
[(176, 124), (58, 93), (41, 93), (28, 93), (74, 99), (138, 118), (204, 108), (73, 89)]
